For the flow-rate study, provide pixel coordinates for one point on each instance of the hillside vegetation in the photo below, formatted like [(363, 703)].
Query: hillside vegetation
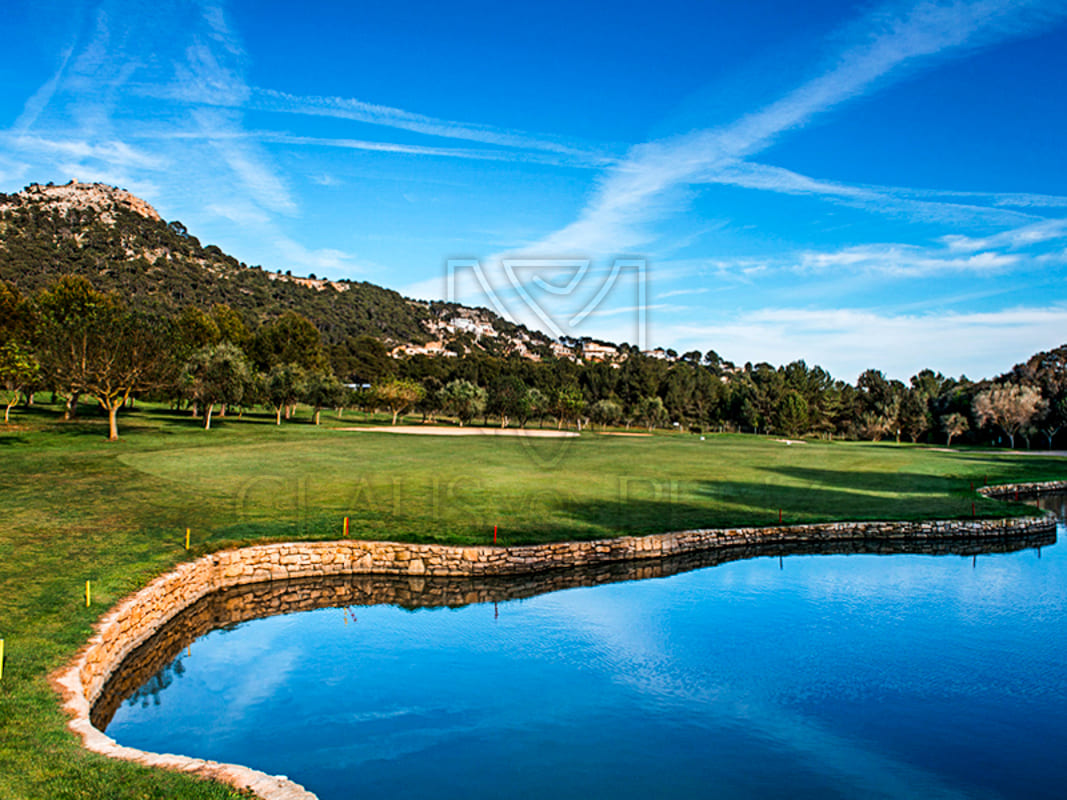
[(161, 267)]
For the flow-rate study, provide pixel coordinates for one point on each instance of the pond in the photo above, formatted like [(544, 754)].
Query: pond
[(754, 673)]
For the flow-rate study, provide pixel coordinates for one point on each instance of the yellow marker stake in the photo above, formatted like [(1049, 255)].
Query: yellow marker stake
[(88, 594), (186, 538), (1, 659)]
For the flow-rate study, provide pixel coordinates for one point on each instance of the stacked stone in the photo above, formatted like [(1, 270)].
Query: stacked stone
[(137, 618)]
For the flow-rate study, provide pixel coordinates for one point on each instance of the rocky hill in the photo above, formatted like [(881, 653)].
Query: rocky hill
[(121, 244)]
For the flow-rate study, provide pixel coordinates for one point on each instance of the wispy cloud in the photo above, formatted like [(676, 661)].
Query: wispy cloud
[(903, 261), (853, 340), (468, 153), (250, 165), (360, 111), (40, 99), (1015, 239), (322, 261), (920, 205), (647, 183)]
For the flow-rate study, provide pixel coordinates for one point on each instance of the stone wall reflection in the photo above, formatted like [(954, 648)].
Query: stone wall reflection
[(139, 674)]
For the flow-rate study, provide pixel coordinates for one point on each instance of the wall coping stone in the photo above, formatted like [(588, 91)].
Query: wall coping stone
[(134, 619)]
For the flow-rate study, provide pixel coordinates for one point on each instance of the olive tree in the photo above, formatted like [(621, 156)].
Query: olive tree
[(284, 387), (88, 343), (400, 395), (1008, 406), (463, 399), (323, 390), (217, 375), (18, 370), (953, 425)]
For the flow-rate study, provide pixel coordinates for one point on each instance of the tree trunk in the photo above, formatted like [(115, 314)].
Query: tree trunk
[(279, 419), (317, 412), (396, 413), (113, 421), (207, 416), (1011, 441), (7, 411), (71, 411), (222, 410)]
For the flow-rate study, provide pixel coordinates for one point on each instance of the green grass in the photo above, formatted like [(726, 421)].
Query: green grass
[(74, 507)]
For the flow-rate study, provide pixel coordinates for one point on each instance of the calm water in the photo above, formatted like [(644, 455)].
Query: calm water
[(813, 676)]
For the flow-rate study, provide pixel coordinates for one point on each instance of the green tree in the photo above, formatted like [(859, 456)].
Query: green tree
[(193, 330), (89, 343), (284, 387), (15, 314), (792, 413), (18, 370), (953, 425), (67, 312), (464, 400), (506, 398), (651, 412), (230, 325), (399, 395), (534, 406), (289, 339), (217, 375), (915, 416), (605, 412), (568, 406), (323, 391), (363, 359), (1008, 406)]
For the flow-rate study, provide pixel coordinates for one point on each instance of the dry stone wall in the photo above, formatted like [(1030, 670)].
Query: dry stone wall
[(136, 619), (1023, 489)]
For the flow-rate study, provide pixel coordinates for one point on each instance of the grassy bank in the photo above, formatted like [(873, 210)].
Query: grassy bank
[(74, 507)]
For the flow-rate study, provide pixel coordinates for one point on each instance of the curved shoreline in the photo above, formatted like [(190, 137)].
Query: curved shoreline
[(138, 617)]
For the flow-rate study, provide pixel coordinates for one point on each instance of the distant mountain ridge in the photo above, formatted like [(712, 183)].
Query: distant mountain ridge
[(121, 243)]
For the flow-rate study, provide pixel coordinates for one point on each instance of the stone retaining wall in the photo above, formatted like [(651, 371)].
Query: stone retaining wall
[(1023, 489), (137, 618)]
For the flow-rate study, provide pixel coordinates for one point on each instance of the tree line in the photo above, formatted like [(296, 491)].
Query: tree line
[(84, 344)]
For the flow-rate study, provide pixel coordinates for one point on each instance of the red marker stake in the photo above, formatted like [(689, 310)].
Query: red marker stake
[(346, 527), (494, 534), (779, 516)]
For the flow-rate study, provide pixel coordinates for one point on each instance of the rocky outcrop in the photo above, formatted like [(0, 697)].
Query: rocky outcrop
[(99, 197)]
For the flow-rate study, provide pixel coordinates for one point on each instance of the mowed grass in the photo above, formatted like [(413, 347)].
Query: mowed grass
[(74, 507)]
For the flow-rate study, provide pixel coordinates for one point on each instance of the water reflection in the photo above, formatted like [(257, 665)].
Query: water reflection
[(1056, 503), (153, 667)]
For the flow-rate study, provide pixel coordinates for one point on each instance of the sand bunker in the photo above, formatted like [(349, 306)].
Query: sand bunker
[(437, 430), (612, 433)]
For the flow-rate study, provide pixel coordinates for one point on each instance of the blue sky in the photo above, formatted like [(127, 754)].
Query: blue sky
[(853, 184)]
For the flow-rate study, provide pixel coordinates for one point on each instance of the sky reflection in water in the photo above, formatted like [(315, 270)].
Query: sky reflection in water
[(822, 676)]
